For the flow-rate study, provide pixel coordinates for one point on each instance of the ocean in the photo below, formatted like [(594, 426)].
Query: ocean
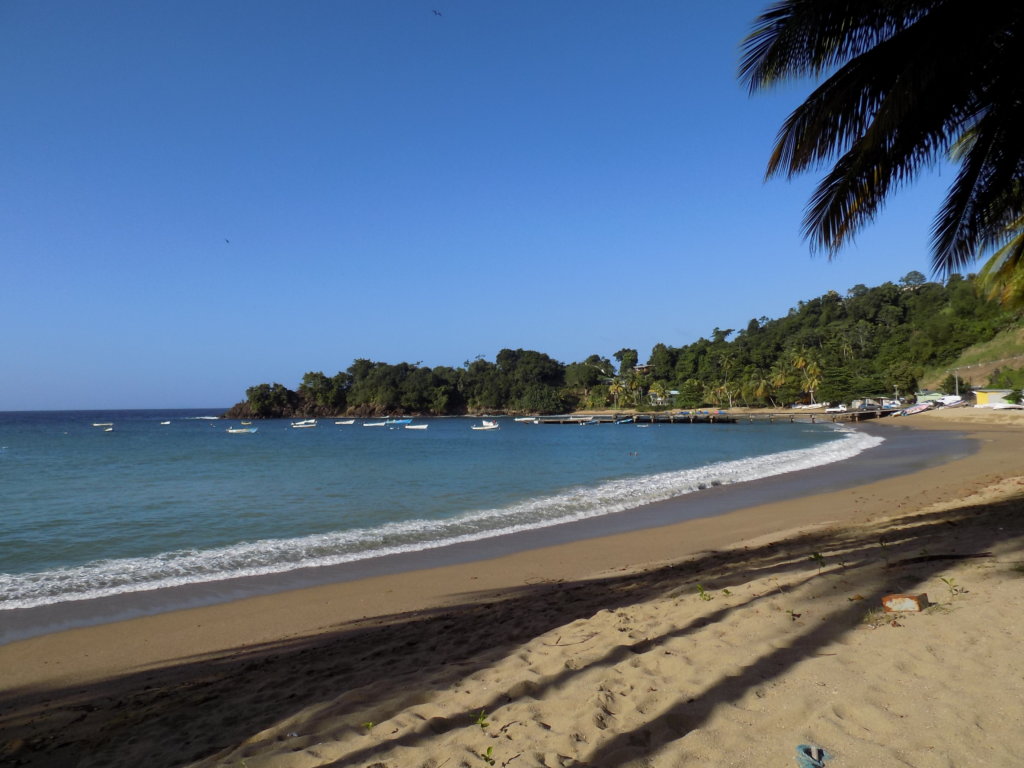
[(95, 511)]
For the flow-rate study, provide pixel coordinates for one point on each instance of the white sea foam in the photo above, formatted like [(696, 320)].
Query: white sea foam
[(268, 556)]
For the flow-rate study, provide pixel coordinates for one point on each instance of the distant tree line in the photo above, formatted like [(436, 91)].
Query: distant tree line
[(869, 342)]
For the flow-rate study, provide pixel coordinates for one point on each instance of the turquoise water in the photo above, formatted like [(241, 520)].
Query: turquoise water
[(90, 513)]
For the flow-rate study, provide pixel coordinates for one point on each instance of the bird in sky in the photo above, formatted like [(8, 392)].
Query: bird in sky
[(227, 241), (437, 12)]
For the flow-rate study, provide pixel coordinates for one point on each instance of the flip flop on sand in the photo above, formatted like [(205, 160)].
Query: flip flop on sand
[(808, 756)]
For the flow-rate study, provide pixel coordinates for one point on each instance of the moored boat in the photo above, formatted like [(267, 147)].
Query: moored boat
[(345, 422), (241, 430), (485, 424), (304, 424), (416, 426), (374, 423)]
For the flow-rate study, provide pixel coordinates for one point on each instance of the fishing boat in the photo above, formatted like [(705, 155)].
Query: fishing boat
[(304, 424), (345, 422), (241, 430), (416, 426), (485, 424)]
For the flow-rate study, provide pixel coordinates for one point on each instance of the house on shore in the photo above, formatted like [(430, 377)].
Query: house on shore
[(991, 396)]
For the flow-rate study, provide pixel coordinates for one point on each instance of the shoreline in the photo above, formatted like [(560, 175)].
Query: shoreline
[(899, 454), (396, 644)]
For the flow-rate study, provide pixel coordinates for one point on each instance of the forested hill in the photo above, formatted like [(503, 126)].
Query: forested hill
[(868, 342)]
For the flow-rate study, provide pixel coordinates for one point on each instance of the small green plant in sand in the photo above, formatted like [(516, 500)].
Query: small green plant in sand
[(481, 719), (955, 590), (703, 594), (884, 546), (793, 615), (726, 592), (368, 725), (818, 559), (488, 756)]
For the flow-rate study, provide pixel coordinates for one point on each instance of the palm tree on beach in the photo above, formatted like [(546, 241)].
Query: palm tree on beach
[(615, 389), (907, 83)]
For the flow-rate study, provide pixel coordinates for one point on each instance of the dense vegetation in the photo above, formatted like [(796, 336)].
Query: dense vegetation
[(870, 342)]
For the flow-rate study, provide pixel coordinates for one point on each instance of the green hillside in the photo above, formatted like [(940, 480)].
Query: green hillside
[(868, 342), (979, 361)]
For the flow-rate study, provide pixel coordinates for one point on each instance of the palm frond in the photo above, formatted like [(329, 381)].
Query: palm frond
[(1002, 277), (797, 38)]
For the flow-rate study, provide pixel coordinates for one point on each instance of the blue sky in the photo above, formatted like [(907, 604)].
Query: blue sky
[(196, 197)]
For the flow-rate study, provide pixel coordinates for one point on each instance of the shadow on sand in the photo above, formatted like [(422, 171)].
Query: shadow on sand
[(201, 707)]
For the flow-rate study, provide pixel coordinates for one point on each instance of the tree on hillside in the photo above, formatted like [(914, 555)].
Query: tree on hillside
[(908, 82), (627, 360)]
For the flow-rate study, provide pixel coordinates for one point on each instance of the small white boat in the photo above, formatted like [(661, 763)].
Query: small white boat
[(109, 429), (103, 424), (398, 421), (374, 423), (485, 424), (246, 423), (304, 424), (346, 422), (527, 419), (164, 423), (416, 426), (241, 430)]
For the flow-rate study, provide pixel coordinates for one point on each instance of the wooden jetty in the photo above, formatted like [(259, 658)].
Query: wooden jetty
[(676, 417), (716, 417)]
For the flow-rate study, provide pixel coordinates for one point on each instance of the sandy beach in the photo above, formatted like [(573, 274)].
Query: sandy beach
[(726, 641)]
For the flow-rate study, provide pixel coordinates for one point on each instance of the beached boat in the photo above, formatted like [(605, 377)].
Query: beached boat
[(304, 424), (346, 422), (485, 424), (416, 426), (241, 430), (919, 408), (375, 423)]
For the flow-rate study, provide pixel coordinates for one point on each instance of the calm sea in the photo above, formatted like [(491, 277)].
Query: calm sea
[(89, 513)]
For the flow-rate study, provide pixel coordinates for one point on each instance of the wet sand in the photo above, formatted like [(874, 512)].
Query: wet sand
[(596, 652)]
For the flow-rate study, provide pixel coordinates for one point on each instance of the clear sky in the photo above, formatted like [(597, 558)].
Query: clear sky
[(200, 196)]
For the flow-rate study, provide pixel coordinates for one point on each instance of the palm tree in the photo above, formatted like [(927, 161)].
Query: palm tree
[(615, 389), (811, 378), (660, 391), (909, 82)]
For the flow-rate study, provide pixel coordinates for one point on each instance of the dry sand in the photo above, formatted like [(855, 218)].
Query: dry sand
[(722, 642)]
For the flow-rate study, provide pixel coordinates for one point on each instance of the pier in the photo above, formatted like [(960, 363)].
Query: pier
[(717, 417)]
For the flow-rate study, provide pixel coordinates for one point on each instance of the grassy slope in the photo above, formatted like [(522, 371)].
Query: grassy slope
[(976, 363)]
